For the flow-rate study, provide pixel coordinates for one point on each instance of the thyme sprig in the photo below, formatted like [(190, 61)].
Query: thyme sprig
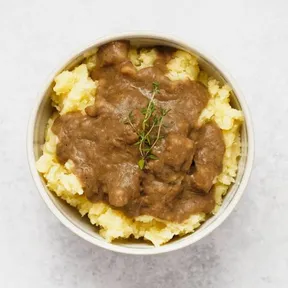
[(153, 121)]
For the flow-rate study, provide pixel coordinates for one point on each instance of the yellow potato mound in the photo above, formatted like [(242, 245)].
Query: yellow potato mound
[(75, 90), (182, 65), (142, 58)]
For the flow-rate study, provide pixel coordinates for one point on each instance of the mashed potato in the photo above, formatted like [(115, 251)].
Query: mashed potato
[(75, 90), (142, 58), (182, 65)]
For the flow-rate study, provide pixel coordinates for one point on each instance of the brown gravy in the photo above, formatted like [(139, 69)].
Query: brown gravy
[(174, 185)]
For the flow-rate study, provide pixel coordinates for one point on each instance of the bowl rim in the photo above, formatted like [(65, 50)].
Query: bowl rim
[(175, 245)]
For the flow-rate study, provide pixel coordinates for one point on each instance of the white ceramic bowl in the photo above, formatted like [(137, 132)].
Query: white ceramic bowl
[(81, 226)]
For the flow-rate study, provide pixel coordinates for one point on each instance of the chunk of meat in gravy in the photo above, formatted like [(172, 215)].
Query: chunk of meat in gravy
[(113, 53), (101, 143), (178, 152), (125, 185), (208, 157)]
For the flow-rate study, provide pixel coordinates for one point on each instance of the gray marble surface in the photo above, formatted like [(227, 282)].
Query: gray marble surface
[(250, 37)]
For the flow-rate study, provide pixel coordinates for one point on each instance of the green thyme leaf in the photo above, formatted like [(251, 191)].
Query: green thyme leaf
[(141, 163), (153, 157)]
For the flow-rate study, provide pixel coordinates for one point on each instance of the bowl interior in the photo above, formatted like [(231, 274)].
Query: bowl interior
[(81, 225)]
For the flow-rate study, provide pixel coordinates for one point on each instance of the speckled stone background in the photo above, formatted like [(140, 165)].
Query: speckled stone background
[(250, 37)]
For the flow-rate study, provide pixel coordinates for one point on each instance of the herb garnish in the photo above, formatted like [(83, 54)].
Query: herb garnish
[(153, 119)]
